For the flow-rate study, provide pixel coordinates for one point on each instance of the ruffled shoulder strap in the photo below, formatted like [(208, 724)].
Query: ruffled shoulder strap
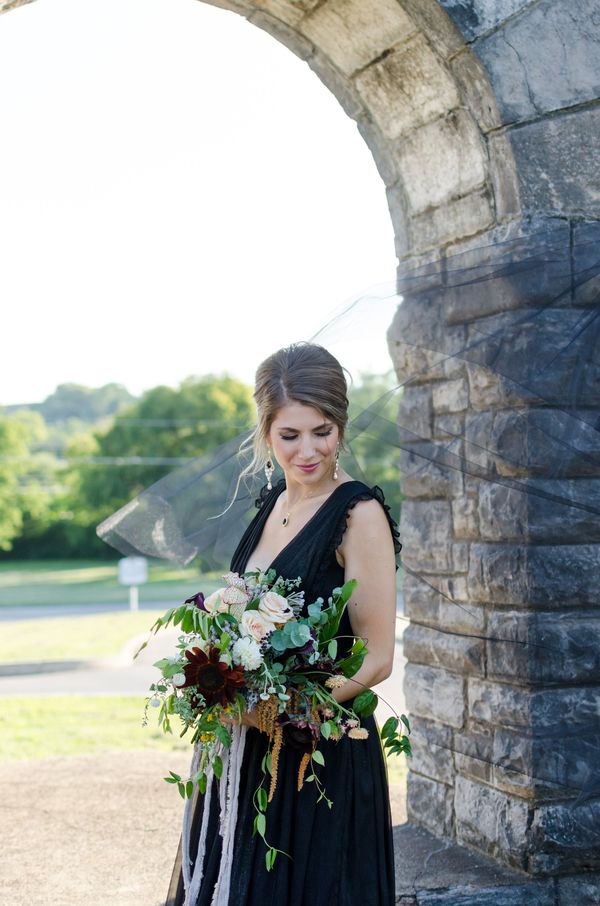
[(265, 493), (364, 493)]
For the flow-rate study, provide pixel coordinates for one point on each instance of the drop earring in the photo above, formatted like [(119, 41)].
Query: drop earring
[(269, 469), (335, 468)]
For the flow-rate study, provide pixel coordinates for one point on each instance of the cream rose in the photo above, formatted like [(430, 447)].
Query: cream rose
[(275, 608), (256, 625), (215, 603)]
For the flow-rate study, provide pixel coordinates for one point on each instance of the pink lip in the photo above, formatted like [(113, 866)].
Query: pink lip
[(310, 468)]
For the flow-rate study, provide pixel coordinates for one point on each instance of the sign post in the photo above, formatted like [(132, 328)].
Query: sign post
[(133, 571)]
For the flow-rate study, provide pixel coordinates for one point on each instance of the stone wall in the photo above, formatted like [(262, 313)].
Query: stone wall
[(483, 120)]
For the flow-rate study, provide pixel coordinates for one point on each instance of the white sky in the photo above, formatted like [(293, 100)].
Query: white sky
[(179, 194)]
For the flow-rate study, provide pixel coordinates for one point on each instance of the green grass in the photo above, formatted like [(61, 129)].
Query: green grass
[(38, 582), (72, 638), (79, 725), (397, 766)]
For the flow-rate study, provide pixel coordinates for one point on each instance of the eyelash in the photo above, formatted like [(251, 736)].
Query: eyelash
[(325, 434)]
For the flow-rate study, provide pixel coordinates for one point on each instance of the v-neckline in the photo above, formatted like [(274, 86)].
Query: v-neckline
[(300, 531)]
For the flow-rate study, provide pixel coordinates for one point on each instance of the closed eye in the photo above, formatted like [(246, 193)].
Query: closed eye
[(294, 436)]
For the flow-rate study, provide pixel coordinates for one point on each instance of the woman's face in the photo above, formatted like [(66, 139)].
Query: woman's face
[(302, 436)]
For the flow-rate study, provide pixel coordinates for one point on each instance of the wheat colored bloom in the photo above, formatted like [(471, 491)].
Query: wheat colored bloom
[(358, 733), (335, 682)]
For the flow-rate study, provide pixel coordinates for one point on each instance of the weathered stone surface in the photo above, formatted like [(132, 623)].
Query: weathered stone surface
[(448, 427), (432, 750), (380, 149), (289, 11), (551, 576), (563, 511), (430, 803), (583, 889), (473, 753), (339, 85), (474, 17), (462, 654), (415, 414), (422, 344), (556, 163), (491, 820), (465, 518), (433, 21), (353, 33), (421, 477), (528, 442), (513, 707), (283, 33), (474, 85), (426, 529), (567, 834), (451, 396), (528, 84), (443, 603), (543, 647), (504, 177), (435, 693), (451, 152), (586, 266), (467, 216), (428, 89)]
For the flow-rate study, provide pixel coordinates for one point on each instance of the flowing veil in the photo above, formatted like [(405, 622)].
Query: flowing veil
[(504, 338)]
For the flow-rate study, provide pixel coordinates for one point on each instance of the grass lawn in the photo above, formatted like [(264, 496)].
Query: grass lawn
[(72, 638), (88, 725), (79, 725), (35, 582)]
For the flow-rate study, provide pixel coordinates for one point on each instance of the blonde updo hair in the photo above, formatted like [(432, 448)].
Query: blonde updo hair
[(301, 373)]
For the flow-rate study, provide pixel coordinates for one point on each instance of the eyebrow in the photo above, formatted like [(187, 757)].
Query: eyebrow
[(324, 425)]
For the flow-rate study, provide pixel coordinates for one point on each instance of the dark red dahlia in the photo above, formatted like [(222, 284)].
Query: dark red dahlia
[(217, 682)]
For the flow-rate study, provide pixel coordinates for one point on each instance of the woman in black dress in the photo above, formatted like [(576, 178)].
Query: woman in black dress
[(319, 523)]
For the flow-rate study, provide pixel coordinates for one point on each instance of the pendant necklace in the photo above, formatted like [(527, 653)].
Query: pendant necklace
[(286, 519)]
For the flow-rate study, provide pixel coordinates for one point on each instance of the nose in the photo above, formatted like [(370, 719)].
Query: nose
[(307, 448)]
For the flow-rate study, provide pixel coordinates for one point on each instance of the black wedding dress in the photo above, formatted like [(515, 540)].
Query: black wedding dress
[(343, 854)]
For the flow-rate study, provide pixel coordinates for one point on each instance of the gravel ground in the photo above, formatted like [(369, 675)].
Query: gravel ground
[(92, 830)]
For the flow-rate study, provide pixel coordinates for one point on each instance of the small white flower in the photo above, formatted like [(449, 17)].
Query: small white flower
[(178, 679), (155, 702), (246, 652)]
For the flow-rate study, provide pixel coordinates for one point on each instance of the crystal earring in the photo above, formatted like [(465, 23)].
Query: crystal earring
[(269, 469), (335, 468)]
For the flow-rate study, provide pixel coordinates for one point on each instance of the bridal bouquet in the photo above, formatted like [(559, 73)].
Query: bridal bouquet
[(246, 647)]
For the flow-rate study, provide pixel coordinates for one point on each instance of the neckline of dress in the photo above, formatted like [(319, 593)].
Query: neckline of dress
[(306, 524)]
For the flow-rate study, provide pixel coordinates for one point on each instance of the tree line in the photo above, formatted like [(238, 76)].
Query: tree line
[(67, 463)]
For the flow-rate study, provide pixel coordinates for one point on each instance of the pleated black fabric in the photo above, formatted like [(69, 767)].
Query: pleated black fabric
[(343, 854)]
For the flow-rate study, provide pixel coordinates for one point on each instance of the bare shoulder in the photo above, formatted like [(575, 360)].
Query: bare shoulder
[(366, 517)]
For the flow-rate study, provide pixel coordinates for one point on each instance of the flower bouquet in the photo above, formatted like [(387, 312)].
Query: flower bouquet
[(247, 647)]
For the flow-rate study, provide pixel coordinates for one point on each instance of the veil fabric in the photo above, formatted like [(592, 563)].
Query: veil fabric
[(496, 406)]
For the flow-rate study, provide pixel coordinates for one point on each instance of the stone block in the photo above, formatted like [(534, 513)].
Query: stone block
[(543, 647), (437, 648), (426, 527), (448, 427), (582, 889), (352, 34), (424, 478), (473, 753), (541, 576), (474, 85), (283, 33), (562, 511), (441, 604), (451, 396), (339, 85), (466, 216), (452, 153), (436, 694), (528, 442), (432, 20), (491, 820), (465, 519), (415, 416), (561, 72), (288, 11), (564, 836), (430, 803), (398, 207), (425, 347), (513, 707), (556, 162), (428, 90), (475, 17), (380, 150), (431, 750), (503, 176)]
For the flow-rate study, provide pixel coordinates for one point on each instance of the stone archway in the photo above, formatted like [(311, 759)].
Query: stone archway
[(482, 121)]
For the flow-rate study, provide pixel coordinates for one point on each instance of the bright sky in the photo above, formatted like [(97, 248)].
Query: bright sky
[(179, 194)]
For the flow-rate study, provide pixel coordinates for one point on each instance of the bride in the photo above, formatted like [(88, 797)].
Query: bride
[(319, 523)]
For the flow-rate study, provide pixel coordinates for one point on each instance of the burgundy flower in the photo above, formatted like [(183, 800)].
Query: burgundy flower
[(197, 599), (298, 733), (217, 682)]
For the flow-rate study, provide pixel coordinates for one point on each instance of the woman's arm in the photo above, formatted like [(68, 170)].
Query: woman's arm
[(367, 550)]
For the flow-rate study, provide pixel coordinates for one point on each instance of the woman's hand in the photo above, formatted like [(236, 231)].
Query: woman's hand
[(248, 719)]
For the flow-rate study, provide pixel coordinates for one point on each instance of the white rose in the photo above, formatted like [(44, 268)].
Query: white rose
[(255, 624), (215, 603), (275, 608), (247, 653)]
